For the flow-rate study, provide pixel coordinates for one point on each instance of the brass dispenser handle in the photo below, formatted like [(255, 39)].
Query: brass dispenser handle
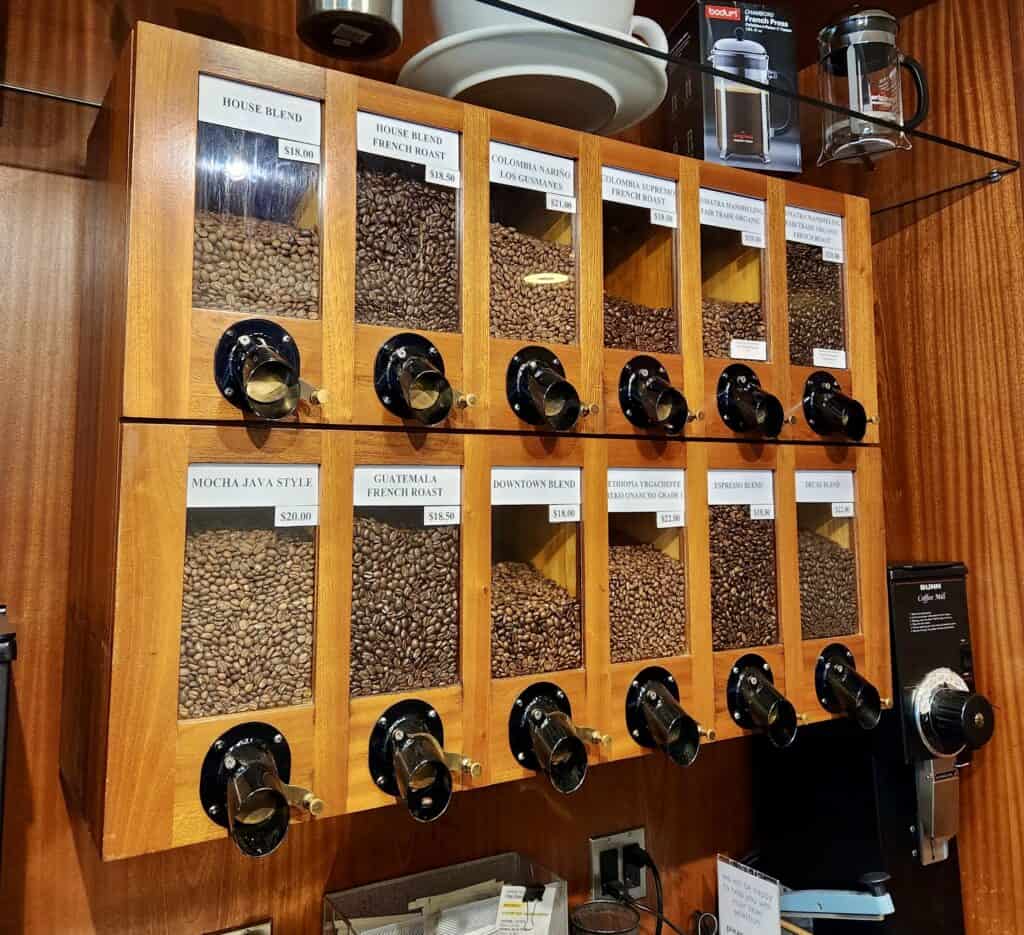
[(465, 400), (708, 733), (314, 395), (594, 737), (304, 800), (458, 763), (589, 409)]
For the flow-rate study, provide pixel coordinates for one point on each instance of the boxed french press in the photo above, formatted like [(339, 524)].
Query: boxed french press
[(720, 119)]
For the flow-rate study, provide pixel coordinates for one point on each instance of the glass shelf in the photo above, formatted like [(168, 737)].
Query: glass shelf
[(903, 186)]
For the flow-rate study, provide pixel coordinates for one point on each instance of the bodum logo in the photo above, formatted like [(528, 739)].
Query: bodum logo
[(732, 13)]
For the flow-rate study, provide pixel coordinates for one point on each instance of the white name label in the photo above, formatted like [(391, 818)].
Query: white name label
[(513, 486), (734, 213), (243, 107), (824, 487), (748, 350), (412, 485), (410, 142), (644, 191), (292, 489), (740, 488), (829, 357), (442, 515), (532, 170), (817, 230), (564, 514), (647, 490)]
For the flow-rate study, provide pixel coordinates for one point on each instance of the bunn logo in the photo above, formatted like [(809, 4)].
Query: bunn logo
[(732, 13)]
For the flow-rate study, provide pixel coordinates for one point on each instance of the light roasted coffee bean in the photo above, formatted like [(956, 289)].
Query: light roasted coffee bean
[(726, 321), (405, 607), (535, 623), (828, 587), (646, 603), (815, 303), (246, 620), (407, 265), (630, 326), (744, 599), (256, 267), (533, 288)]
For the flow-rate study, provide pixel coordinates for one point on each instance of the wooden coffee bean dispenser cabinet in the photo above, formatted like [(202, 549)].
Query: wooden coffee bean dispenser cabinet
[(305, 498)]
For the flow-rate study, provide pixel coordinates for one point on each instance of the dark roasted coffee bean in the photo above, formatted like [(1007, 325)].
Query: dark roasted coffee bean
[(630, 326), (646, 603), (744, 602), (828, 587), (726, 321), (815, 303)]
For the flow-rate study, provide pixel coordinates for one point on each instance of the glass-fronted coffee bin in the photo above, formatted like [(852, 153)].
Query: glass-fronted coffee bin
[(815, 256), (406, 564), (827, 549), (257, 201), (249, 588), (647, 594), (536, 617), (732, 247)]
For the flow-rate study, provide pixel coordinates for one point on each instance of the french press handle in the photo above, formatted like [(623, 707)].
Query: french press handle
[(781, 81), (921, 84)]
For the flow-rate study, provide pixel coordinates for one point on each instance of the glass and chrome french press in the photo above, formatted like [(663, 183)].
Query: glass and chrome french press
[(860, 69)]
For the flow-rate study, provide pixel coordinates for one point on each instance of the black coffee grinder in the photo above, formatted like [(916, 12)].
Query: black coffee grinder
[(844, 807)]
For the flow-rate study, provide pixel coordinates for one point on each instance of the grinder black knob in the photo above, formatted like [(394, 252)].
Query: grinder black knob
[(962, 718)]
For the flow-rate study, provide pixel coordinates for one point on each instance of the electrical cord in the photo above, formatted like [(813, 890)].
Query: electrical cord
[(639, 857)]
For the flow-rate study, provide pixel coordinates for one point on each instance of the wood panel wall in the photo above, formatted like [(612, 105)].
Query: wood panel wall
[(951, 313), (950, 310)]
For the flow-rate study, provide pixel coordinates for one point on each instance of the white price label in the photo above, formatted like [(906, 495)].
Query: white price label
[(816, 229), (748, 350), (451, 178), (442, 515), (532, 170), (564, 513), (824, 487), (245, 107), (564, 203), (296, 516), (298, 152), (842, 510), (762, 511), (664, 218), (669, 520), (409, 142), (735, 213), (829, 357)]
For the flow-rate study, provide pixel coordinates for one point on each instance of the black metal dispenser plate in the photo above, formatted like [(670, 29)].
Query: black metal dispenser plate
[(387, 367), (831, 653), (634, 374), (379, 758), (635, 720), (519, 738), (732, 689), (230, 354)]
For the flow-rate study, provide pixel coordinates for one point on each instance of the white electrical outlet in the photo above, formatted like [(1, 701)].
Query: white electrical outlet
[(615, 842)]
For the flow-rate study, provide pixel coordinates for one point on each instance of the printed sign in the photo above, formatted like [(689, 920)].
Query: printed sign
[(748, 901), (292, 489), (529, 169), (442, 515), (512, 486), (762, 511), (829, 357), (817, 230), (743, 488), (734, 213), (411, 142), (671, 520), (298, 152), (740, 349), (824, 487), (644, 191), (243, 107), (647, 490), (842, 510), (413, 485), (569, 513)]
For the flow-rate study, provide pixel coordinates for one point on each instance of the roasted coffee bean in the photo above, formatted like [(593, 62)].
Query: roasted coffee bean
[(815, 303), (535, 623), (828, 587), (646, 603), (744, 602), (525, 310), (246, 620), (258, 267), (407, 265), (726, 321), (405, 607), (634, 327)]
